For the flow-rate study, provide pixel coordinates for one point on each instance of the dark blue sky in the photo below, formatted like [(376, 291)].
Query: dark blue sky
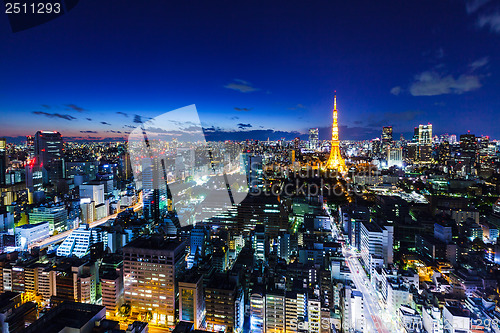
[(256, 67)]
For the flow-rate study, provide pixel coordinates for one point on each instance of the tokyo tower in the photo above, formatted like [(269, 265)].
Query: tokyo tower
[(335, 161)]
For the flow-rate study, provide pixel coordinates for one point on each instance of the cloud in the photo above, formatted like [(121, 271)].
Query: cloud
[(46, 106), (490, 19), (242, 109), (430, 83), (396, 90), (105, 123), (113, 132), (243, 126), (358, 122), (234, 118), (75, 107), (473, 5), (130, 126), (241, 86), (122, 113), (54, 115), (298, 106), (137, 119), (89, 119), (94, 132), (481, 62)]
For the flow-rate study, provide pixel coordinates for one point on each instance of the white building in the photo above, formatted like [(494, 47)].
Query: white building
[(275, 312), (431, 318), (28, 234), (409, 320), (397, 295), (456, 319), (79, 241), (376, 245), (394, 157), (93, 191), (257, 312)]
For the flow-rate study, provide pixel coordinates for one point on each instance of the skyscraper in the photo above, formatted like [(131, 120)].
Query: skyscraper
[(387, 134), (313, 138), (154, 188), (425, 134), (3, 160), (151, 267), (50, 153), (335, 161)]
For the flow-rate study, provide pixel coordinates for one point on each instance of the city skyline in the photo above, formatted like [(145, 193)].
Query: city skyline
[(259, 72)]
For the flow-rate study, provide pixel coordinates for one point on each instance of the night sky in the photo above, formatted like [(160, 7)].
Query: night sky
[(256, 69)]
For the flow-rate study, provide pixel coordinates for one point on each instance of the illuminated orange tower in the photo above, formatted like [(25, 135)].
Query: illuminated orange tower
[(335, 161)]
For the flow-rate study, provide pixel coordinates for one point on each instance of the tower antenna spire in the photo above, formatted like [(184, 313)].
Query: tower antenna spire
[(335, 161)]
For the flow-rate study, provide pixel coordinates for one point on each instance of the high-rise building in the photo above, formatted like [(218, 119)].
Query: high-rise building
[(225, 305), (49, 152), (313, 138), (3, 160), (154, 188), (30, 145), (394, 157), (387, 134), (335, 161), (425, 134), (255, 174), (192, 299), (376, 245), (467, 155), (151, 268), (275, 311), (257, 310), (94, 191), (112, 291)]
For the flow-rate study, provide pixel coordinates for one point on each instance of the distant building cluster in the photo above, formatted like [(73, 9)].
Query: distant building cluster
[(407, 242)]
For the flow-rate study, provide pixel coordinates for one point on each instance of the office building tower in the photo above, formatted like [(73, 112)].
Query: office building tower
[(34, 177), (57, 217), (425, 134), (386, 136), (49, 153), (313, 138), (255, 174), (260, 242), (30, 145), (376, 245), (3, 161), (92, 190), (192, 299), (394, 157), (467, 155), (257, 309), (151, 267), (225, 306), (112, 291), (275, 311), (154, 186)]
